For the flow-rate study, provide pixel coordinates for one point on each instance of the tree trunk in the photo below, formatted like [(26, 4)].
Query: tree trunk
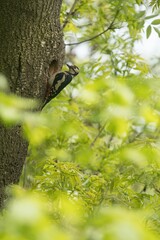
[(31, 44)]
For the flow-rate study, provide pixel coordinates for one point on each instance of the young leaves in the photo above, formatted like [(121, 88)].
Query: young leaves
[(148, 31)]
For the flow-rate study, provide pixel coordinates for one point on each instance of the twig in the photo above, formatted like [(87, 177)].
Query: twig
[(131, 140), (99, 34), (69, 14), (100, 131), (157, 190), (109, 141)]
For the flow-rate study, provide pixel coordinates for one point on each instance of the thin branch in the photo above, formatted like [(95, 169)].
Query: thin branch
[(157, 190), (84, 25), (134, 137), (98, 35), (71, 12), (97, 136), (109, 141)]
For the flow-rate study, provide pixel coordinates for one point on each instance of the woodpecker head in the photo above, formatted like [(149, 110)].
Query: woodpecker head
[(74, 70)]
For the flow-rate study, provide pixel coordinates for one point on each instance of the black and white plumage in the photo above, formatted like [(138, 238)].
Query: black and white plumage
[(60, 81)]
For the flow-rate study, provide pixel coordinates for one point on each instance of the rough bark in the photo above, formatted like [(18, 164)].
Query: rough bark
[(31, 42)]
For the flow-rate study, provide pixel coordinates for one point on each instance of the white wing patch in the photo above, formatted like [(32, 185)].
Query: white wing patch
[(60, 82)]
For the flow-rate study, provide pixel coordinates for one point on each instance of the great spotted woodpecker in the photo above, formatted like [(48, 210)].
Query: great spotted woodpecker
[(59, 81)]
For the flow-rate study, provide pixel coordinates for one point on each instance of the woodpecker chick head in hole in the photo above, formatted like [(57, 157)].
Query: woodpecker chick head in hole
[(73, 69)]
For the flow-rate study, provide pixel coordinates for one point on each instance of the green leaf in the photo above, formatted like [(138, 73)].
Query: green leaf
[(157, 31), (148, 31), (156, 22), (141, 13), (151, 16), (139, 2)]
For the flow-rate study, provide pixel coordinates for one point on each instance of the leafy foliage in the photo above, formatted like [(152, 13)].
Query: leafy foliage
[(103, 148), (155, 4), (120, 22)]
